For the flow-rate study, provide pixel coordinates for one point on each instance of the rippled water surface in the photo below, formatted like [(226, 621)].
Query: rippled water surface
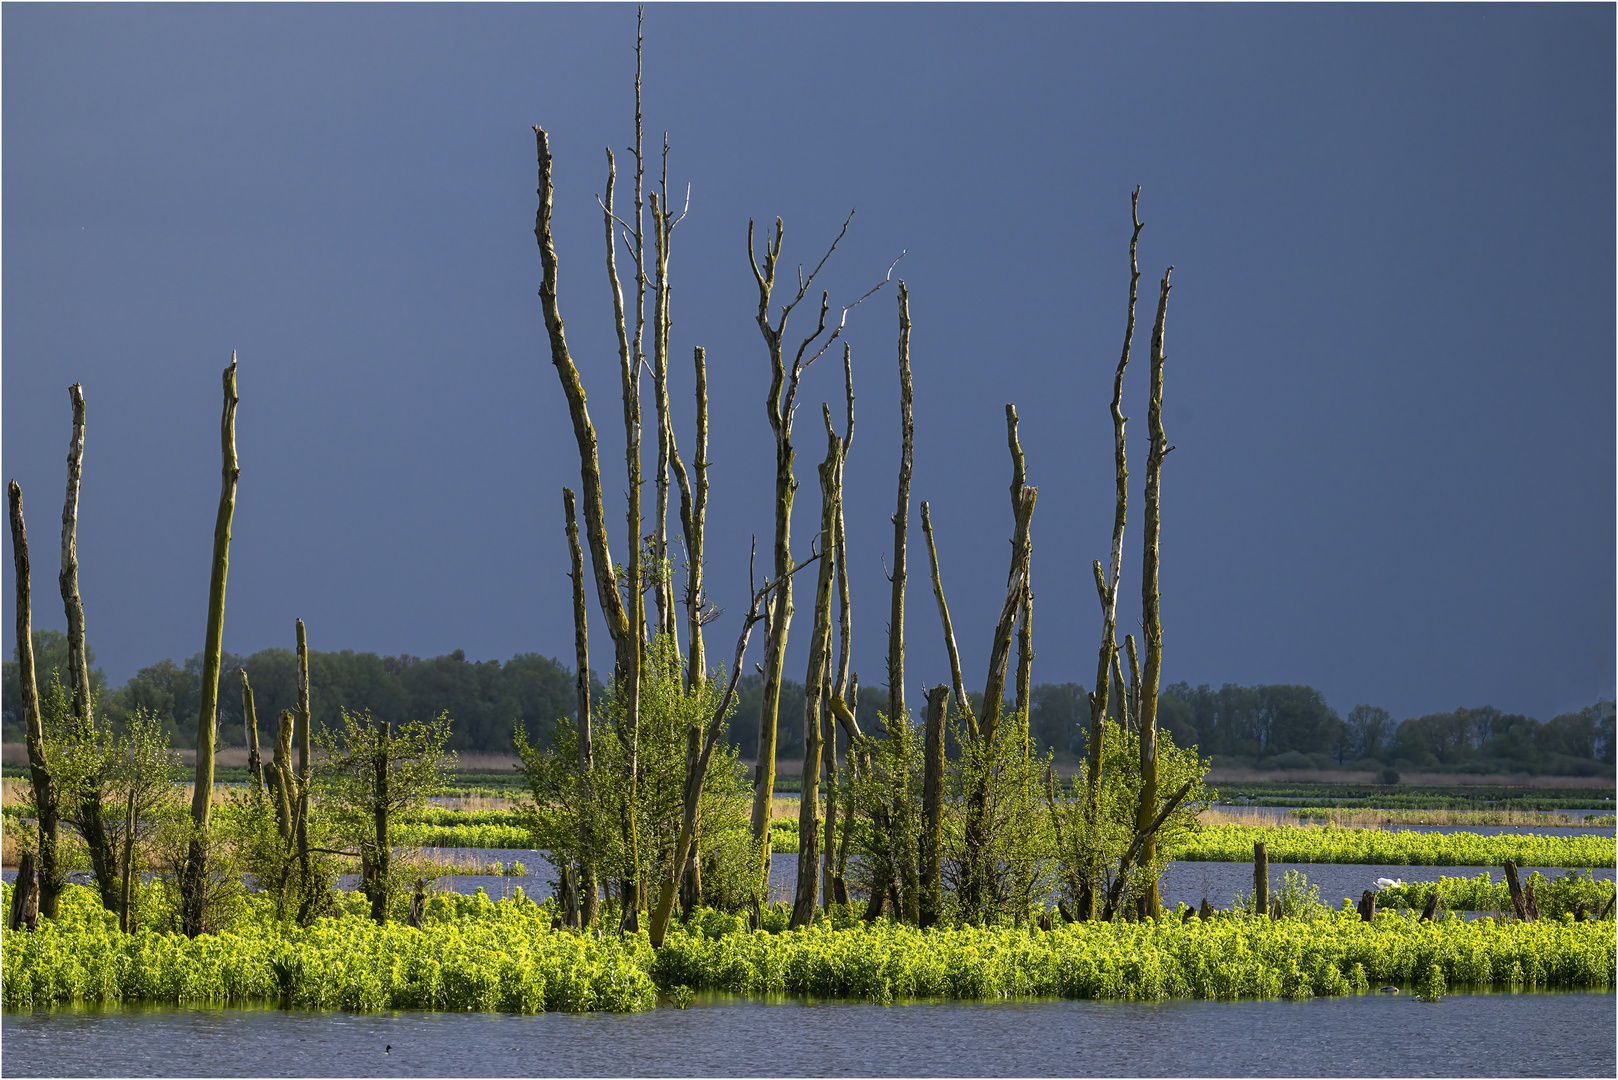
[(1366, 1035)]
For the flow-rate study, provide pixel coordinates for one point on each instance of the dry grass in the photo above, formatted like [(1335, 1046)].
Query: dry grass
[(1218, 777), (1350, 818), (1247, 815)]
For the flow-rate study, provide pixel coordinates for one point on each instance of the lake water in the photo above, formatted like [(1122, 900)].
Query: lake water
[(1556, 1034)]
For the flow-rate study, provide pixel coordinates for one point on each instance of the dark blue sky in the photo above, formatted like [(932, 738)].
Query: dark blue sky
[(1390, 341)]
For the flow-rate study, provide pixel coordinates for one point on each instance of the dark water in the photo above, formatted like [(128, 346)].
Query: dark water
[(1366, 1035)]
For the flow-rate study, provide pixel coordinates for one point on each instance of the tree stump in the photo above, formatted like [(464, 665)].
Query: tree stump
[(1190, 913), (1205, 912), (1061, 909), (1431, 909), (1367, 906), (1531, 901), (1519, 902), (1045, 921)]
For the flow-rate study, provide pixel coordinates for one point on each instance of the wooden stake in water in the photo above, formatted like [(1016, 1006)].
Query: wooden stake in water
[(1261, 878)]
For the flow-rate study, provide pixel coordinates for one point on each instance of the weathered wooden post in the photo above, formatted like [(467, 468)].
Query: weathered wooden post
[(1261, 878), (932, 808), (1367, 906), (1431, 908)]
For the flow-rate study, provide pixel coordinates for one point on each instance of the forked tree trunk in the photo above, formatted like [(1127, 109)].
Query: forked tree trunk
[(815, 713), (45, 792), (1107, 584), (103, 861), (1151, 618)]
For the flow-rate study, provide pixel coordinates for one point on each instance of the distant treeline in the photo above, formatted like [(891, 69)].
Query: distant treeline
[(1268, 727)]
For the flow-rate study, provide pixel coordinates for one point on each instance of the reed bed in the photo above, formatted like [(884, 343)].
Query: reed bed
[(474, 953), (1361, 819)]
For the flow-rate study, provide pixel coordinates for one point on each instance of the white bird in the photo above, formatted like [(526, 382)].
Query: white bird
[(1387, 883)]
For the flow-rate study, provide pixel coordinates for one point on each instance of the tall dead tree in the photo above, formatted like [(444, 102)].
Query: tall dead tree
[(932, 808), (1152, 622), (45, 790), (195, 891), (255, 763), (901, 524), (832, 881), (1107, 584), (815, 705), (962, 704), (92, 827), (779, 407), (975, 871), (663, 223), (305, 766)]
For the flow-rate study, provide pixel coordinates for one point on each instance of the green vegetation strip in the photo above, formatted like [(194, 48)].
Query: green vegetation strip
[(1387, 847), (1556, 896), (483, 955)]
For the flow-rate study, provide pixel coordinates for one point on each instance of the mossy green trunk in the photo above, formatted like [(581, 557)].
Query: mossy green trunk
[(588, 886), (932, 808), (45, 793), (1151, 617), (1107, 583)]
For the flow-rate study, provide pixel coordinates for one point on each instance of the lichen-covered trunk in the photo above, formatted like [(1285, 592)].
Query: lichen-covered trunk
[(1107, 584), (780, 622), (103, 860), (693, 520), (815, 713), (1151, 617), (195, 891), (45, 792), (255, 762), (588, 888)]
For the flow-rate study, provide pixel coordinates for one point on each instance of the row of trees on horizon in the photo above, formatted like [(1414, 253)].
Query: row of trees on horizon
[(1265, 726)]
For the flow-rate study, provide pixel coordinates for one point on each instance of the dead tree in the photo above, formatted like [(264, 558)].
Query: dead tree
[(663, 223), (45, 790), (306, 877), (962, 704), (255, 763), (815, 705), (932, 808), (901, 525), (1152, 621), (93, 829), (693, 519), (832, 880), (778, 408), (1107, 584), (581, 685)]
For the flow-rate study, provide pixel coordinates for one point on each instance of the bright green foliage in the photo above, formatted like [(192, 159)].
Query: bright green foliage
[(1388, 847), (1077, 844), (1556, 896), (1017, 839), (472, 954), (1229, 956), (502, 955), (653, 805), (1295, 898)]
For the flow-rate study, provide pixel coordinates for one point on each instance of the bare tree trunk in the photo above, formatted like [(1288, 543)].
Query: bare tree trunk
[(103, 862), (962, 704), (305, 762), (693, 515), (815, 713), (283, 784), (663, 234), (901, 524), (381, 863), (932, 808), (1107, 585), (778, 407), (581, 685), (45, 792), (1152, 621), (195, 892), (255, 763), (129, 866), (834, 890)]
